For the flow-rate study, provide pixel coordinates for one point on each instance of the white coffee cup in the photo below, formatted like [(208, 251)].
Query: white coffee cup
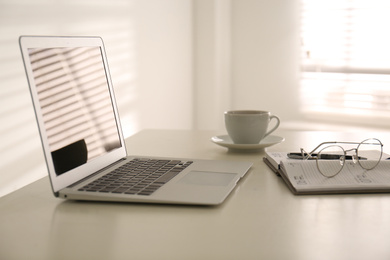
[(249, 126)]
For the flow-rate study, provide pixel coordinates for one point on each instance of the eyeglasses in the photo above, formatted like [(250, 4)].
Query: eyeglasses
[(367, 154)]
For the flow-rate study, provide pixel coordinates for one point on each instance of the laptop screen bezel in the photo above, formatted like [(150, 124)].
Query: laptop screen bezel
[(68, 178)]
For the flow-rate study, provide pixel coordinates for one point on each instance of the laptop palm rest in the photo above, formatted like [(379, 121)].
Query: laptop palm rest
[(204, 178)]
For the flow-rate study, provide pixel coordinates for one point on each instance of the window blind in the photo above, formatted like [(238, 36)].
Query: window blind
[(345, 60)]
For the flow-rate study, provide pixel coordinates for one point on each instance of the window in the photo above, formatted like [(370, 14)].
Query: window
[(345, 60)]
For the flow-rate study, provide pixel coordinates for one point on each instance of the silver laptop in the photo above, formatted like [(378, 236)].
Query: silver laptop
[(83, 143)]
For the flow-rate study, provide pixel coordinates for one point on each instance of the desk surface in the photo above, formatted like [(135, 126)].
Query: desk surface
[(261, 219)]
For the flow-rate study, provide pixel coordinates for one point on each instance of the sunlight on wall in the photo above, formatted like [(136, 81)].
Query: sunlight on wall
[(22, 157)]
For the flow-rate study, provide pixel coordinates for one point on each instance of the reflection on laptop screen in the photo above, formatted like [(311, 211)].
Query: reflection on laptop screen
[(75, 103)]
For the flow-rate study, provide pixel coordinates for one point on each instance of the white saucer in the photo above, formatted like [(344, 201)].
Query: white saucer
[(225, 141)]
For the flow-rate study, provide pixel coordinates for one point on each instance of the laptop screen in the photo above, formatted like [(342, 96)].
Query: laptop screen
[(75, 102)]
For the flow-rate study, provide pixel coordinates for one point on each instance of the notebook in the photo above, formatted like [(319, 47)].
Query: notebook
[(82, 140)]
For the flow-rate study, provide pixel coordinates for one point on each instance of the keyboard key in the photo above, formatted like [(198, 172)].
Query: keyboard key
[(139, 176)]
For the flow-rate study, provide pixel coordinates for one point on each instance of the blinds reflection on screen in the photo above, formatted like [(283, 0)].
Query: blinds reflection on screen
[(74, 98)]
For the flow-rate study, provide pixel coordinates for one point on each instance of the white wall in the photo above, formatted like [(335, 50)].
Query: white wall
[(246, 57), (149, 51), (265, 56), (212, 62), (164, 63), (174, 63)]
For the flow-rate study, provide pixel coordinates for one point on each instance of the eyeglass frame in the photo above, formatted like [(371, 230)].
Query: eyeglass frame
[(354, 159)]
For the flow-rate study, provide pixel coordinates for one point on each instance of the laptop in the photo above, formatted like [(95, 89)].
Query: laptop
[(82, 139)]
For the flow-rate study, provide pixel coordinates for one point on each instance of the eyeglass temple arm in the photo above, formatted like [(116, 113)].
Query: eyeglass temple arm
[(332, 142)]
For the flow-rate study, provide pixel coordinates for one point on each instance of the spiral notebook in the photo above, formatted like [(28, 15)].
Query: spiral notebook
[(303, 177)]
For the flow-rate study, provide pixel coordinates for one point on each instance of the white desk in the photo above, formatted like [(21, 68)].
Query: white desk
[(261, 219)]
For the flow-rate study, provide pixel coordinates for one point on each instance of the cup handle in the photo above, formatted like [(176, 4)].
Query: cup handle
[(275, 127)]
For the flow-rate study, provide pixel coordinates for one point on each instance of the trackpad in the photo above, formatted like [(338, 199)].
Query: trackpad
[(208, 178)]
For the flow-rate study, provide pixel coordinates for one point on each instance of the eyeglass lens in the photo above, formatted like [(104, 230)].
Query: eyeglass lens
[(330, 160), (371, 151)]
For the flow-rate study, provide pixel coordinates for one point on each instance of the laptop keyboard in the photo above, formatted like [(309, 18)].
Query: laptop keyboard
[(138, 176)]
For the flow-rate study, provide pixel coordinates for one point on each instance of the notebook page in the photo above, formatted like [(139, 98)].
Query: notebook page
[(305, 175)]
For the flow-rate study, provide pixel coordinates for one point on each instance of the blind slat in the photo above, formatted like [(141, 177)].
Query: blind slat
[(345, 58)]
